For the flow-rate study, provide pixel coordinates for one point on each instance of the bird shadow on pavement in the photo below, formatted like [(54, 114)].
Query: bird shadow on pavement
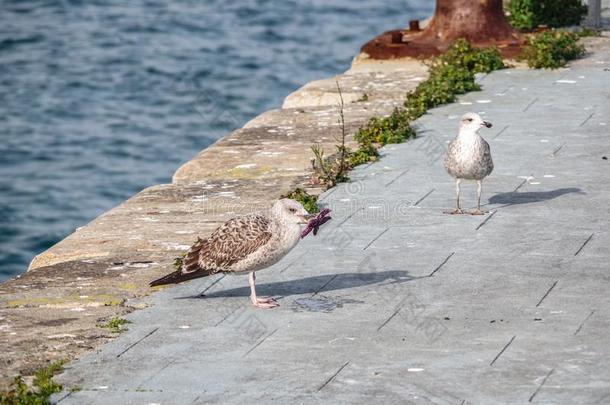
[(312, 285), (515, 197)]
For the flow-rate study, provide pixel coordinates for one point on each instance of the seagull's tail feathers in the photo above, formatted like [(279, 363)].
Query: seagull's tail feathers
[(178, 277), (189, 269)]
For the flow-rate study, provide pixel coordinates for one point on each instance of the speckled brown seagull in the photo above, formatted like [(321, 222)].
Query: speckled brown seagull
[(244, 244), (469, 158)]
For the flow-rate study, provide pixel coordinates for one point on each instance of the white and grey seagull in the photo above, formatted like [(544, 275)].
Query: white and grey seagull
[(244, 244), (469, 158)]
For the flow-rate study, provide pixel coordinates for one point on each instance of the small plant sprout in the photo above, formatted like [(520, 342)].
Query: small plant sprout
[(332, 169), (116, 325), (341, 147), (42, 388), (365, 97), (177, 263)]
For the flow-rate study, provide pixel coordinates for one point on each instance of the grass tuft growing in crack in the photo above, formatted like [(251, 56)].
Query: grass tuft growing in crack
[(42, 388), (365, 97), (330, 170), (115, 325), (178, 261)]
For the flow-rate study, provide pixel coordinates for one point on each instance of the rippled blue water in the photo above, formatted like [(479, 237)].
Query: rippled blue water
[(99, 99)]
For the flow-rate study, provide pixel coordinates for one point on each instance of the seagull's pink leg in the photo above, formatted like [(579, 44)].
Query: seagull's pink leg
[(457, 210), (478, 210), (259, 302)]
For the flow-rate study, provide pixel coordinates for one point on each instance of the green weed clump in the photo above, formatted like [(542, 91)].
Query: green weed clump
[(43, 388), (451, 74), (444, 83), (309, 202), (526, 15), (115, 325), (552, 49), (476, 60), (395, 128), (363, 155)]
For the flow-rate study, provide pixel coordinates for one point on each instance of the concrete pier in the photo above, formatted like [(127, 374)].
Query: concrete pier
[(394, 301)]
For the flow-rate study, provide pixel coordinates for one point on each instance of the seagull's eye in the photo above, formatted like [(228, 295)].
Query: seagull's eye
[(469, 119), (293, 210)]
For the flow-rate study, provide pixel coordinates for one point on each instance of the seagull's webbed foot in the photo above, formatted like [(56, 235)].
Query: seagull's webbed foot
[(265, 303), (455, 211), (266, 300), (478, 212)]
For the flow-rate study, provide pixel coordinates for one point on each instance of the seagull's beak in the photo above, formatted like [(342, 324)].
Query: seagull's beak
[(487, 124), (305, 218)]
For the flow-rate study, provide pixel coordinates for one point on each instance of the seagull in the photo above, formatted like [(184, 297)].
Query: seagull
[(469, 158), (244, 244)]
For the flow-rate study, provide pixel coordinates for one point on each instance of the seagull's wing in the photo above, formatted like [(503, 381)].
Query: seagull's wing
[(233, 241), (486, 160), (452, 152), (230, 243)]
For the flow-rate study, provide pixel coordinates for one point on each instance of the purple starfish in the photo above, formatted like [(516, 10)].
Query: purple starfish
[(316, 222)]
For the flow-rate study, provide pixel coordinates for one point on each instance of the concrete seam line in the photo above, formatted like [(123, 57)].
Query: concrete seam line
[(541, 384), (136, 342), (424, 197), (485, 220), (503, 350), (324, 286), (546, 294), (441, 265), (583, 323), (397, 177), (584, 244), (260, 342), (377, 237), (332, 377)]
